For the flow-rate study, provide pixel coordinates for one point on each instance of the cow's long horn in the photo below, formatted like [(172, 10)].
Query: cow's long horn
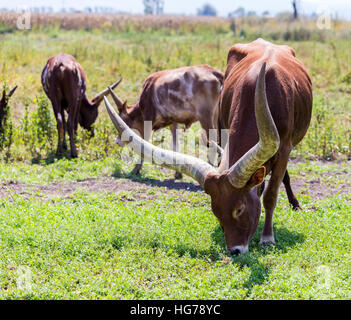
[(99, 97), (240, 173), (191, 166), (119, 103), (12, 91)]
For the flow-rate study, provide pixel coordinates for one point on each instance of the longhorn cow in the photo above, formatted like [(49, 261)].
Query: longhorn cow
[(171, 97), (64, 82), (266, 103)]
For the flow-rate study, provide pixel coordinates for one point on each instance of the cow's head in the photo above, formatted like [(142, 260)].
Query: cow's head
[(237, 208), (89, 109), (131, 115), (4, 100), (234, 192)]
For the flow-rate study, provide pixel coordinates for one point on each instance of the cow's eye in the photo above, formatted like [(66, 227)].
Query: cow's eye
[(238, 212)]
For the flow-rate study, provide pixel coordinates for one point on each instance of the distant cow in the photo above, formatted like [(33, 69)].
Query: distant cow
[(172, 97), (3, 103), (64, 82)]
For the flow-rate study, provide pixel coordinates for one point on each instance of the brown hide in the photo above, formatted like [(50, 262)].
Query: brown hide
[(3, 104), (289, 95), (179, 96), (64, 82)]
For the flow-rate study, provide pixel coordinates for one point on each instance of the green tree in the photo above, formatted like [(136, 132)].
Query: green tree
[(153, 6), (240, 12), (207, 10)]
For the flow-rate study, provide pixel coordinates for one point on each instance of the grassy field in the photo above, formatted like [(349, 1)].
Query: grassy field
[(87, 229)]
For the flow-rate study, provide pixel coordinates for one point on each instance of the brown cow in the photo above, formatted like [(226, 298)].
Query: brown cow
[(64, 82), (266, 103), (171, 97), (4, 100), (3, 103)]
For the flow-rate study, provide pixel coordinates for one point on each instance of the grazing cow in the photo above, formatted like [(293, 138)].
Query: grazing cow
[(64, 82), (3, 103), (170, 97), (266, 103)]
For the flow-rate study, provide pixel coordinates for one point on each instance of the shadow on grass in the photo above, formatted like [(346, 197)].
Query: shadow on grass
[(50, 158), (170, 184), (285, 240), (259, 269)]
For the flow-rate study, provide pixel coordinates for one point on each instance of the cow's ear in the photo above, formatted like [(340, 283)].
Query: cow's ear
[(257, 178), (211, 184), (3, 94), (124, 107)]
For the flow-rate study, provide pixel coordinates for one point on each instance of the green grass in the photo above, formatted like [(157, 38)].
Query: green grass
[(108, 55), (159, 242), (169, 246)]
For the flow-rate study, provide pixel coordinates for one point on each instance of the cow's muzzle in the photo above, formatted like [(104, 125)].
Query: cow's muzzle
[(235, 251)]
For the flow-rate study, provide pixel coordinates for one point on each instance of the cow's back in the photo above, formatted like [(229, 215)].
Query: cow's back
[(64, 77), (288, 87), (180, 95)]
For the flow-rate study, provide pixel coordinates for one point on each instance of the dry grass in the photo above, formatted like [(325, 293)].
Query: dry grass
[(283, 28)]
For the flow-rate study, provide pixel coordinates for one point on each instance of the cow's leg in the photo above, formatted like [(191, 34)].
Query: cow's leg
[(292, 199), (270, 197), (138, 167), (58, 111), (61, 132), (175, 146), (207, 125), (64, 143), (71, 123)]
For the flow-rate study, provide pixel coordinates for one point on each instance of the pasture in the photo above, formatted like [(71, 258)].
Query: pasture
[(87, 229)]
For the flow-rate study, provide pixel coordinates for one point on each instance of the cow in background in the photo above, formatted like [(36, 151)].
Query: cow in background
[(64, 82), (3, 103), (171, 97)]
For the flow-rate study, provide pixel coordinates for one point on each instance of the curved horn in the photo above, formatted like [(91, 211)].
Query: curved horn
[(188, 165), (12, 91), (119, 103), (268, 144), (99, 97)]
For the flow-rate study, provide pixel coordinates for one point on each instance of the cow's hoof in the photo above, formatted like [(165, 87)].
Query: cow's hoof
[(178, 176), (267, 240), (296, 206)]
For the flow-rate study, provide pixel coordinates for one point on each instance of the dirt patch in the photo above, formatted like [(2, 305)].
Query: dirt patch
[(96, 185), (8, 188), (315, 188)]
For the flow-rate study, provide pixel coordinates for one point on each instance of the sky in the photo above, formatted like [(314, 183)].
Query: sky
[(189, 7)]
